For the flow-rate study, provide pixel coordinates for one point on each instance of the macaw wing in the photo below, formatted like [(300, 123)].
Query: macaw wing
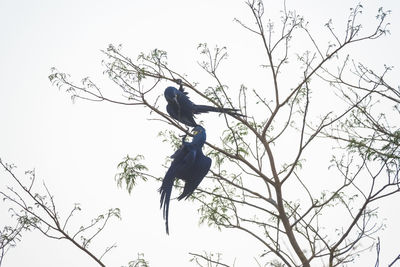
[(185, 104), (173, 111), (186, 154), (186, 110), (197, 173), (181, 152), (190, 157), (182, 110)]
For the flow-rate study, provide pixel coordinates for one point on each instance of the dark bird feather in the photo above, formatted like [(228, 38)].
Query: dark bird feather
[(183, 110), (190, 165)]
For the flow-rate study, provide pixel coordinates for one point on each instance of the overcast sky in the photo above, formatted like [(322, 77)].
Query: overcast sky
[(75, 147)]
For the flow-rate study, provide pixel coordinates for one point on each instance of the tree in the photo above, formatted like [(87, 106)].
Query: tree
[(38, 211), (33, 210), (254, 167)]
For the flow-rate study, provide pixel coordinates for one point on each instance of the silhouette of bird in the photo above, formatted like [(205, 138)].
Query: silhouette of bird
[(183, 110), (190, 165)]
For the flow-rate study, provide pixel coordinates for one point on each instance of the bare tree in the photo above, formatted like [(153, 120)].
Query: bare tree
[(211, 259), (35, 211), (9, 236), (248, 186)]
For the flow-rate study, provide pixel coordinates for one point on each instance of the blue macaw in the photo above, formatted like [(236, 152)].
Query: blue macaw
[(189, 165), (183, 110)]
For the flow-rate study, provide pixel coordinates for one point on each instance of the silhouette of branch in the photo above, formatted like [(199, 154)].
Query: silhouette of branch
[(39, 212)]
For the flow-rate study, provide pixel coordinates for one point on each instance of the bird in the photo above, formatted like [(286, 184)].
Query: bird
[(183, 110), (190, 165)]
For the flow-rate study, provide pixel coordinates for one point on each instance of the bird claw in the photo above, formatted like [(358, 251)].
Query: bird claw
[(178, 81), (183, 137)]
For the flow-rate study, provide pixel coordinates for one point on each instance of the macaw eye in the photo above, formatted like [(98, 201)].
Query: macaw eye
[(195, 132)]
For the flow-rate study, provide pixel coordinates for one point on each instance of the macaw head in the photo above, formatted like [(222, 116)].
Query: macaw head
[(171, 94), (199, 135)]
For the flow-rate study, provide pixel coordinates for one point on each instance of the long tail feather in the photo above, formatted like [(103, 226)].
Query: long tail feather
[(205, 108), (165, 191)]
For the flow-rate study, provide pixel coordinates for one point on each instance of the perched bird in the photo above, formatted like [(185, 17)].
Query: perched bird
[(183, 110), (190, 165)]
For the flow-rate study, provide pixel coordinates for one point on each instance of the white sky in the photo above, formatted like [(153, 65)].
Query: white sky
[(75, 148)]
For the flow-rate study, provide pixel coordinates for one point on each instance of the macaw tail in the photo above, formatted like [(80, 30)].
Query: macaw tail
[(164, 204), (165, 191), (204, 109)]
